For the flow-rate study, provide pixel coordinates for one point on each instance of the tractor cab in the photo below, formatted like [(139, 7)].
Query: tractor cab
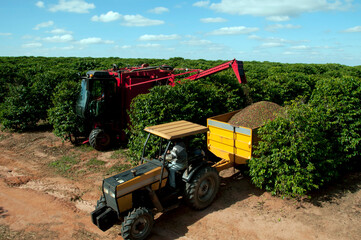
[(172, 133), (135, 195), (174, 150)]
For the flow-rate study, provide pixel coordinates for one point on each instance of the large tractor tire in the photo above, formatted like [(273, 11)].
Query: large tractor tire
[(99, 139), (203, 188), (138, 224)]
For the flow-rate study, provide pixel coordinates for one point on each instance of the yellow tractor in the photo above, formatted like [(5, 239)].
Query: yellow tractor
[(135, 195)]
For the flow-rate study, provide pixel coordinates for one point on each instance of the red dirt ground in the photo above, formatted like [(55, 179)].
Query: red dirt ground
[(40, 201)]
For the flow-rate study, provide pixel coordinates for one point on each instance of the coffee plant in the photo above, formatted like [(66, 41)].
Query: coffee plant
[(311, 144)]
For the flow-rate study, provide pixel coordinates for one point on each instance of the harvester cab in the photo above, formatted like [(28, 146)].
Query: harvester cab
[(105, 96), (98, 90), (135, 195)]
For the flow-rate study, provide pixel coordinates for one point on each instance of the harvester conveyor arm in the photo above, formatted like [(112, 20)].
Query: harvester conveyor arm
[(236, 65)]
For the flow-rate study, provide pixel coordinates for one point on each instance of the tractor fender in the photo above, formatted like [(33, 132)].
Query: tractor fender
[(192, 169)]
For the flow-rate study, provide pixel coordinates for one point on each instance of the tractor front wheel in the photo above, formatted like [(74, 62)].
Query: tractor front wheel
[(99, 139), (202, 189), (138, 224)]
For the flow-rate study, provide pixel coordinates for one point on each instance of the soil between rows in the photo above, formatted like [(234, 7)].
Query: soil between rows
[(48, 188)]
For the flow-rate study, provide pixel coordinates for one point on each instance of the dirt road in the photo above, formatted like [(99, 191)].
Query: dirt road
[(48, 188)]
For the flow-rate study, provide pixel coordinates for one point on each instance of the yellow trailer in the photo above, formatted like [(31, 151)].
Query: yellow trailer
[(232, 144)]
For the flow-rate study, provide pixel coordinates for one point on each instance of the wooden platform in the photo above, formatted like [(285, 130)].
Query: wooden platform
[(177, 129)]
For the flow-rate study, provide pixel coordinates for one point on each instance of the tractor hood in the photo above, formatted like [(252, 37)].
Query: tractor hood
[(125, 183)]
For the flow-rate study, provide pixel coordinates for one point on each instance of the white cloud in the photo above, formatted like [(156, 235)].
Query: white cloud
[(255, 37), (160, 37), (300, 47), (6, 34), (59, 31), (139, 21), (273, 40), (275, 10), (108, 17), (289, 53), (125, 47), (353, 29), (127, 20), (59, 38), (159, 10), (233, 30), (197, 42), (149, 45), (26, 37), (213, 20), (94, 40), (43, 25), (40, 4), (71, 47), (74, 6), (32, 45), (272, 44), (275, 27), (201, 4), (278, 18)]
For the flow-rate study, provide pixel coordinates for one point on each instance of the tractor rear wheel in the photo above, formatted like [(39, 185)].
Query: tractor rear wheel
[(202, 189), (138, 224), (99, 139)]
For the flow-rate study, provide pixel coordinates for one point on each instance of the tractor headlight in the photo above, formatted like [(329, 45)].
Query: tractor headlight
[(106, 190), (112, 194), (109, 192)]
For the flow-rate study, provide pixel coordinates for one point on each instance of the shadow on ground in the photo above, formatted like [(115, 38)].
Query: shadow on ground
[(174, 224), (348, 183)]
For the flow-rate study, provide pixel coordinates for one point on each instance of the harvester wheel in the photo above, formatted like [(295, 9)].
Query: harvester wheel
[(74, 138), (138, 224), (99, 139), (202, 189)]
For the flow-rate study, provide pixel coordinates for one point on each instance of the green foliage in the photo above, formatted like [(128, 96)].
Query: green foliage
[(284, 158), (341, 98), (26, 88), (64, 164), (280, 87), (191, 100), (120, 153), (313, 142), (19, 110), (317, 138), (62, 115), (93, 162)]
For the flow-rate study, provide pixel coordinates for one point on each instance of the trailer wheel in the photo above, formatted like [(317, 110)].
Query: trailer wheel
[(99, 139), (138, 224), (202, 189)]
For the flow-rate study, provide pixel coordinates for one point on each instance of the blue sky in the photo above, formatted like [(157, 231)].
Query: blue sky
[(289, 31)]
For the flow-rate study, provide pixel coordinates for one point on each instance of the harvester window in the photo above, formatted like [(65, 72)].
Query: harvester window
[(97, 90), (103, 89), (83, 94)]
